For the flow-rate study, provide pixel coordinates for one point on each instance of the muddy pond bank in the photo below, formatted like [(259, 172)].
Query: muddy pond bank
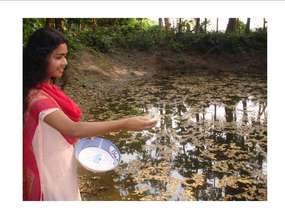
[(92, 74)]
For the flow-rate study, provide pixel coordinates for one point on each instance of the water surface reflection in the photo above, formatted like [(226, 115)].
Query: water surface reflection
[(210, 142)]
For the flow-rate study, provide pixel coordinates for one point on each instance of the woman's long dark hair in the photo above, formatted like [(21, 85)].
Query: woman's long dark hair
[(35, 58)]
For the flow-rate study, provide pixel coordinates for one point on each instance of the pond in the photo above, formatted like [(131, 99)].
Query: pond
[(210, 142)]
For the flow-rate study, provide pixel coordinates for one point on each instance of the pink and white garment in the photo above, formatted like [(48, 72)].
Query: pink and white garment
[(49, 169)]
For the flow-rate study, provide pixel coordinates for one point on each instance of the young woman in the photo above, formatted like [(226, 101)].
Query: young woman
[(52, 122)]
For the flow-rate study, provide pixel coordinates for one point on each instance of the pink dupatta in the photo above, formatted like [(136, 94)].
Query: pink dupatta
[(44, 97)]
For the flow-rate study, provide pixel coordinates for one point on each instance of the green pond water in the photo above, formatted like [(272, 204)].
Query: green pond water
[(210, 142)]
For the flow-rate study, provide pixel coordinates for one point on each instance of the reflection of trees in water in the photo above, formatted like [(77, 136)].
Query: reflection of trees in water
[(241, 162), (223, 150), (189, 162)]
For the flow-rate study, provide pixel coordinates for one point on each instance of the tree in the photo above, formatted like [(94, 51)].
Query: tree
[(197, 25), (94, 24), (167, 24), (205, 25), (59, 24), (238, 27), (188, 26), (264, 24), (232, 25), (217, 25), (160, 22), (247, 26), (179, 25), (49, 22)]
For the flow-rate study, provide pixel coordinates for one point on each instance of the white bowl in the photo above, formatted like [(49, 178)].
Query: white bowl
[(97, 154)]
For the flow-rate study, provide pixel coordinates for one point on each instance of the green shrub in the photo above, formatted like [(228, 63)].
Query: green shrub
[(221, 42), (101, 39), (29, 26)]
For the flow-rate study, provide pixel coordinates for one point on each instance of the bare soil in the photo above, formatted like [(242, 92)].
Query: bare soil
[(91, 74)]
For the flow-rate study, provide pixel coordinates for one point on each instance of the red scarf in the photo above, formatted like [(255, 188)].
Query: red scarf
[(66, 104), (56, 99)]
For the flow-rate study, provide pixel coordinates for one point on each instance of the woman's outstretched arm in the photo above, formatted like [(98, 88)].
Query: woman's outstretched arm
[(59, 121)]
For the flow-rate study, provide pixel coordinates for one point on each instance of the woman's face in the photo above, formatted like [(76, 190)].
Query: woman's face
[(57, 61)]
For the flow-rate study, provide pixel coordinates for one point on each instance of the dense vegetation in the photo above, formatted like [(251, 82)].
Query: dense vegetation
[(143, 34)]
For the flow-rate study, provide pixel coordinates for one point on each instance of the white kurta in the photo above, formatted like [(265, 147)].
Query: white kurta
[(56, 162)]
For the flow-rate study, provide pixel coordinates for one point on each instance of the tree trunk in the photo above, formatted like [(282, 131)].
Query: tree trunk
[(180, 25), (188, 27), (160, 22), (264, 22), (94, 24), (49, 22), (205, 25), (167, 24), (232, 25), (217, 25), (59, 24), (197, 25), (247, 26), (238, 25), (69, 24)]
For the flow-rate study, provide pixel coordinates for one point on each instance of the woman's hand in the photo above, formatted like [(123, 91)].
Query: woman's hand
[(139, 123)]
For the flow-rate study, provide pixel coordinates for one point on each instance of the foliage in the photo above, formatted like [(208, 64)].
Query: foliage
[(74, 43), (105, 34), (101, 39), (134, 34), (30, 25), (154, 38), (220, 42)]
